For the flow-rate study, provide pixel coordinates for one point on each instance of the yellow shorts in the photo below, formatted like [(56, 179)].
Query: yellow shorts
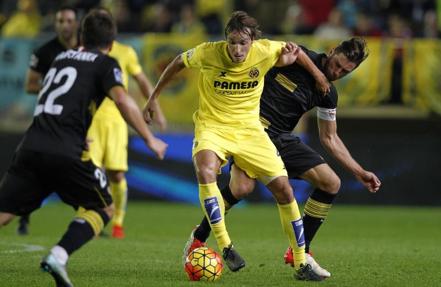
[(109, 140), (250, 148)]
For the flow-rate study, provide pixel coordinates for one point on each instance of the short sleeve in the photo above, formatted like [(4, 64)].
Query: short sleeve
[(193, 57), (110, 74), (37, 62), (133, 66), (275, 48)]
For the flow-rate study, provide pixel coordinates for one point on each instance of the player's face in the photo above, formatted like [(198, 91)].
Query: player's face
[(337, 66), (66, 24), (238, 45)]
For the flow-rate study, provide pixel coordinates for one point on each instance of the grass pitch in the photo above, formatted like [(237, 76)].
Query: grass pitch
[(360, 246)]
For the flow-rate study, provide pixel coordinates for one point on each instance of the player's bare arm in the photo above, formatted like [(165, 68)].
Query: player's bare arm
[(133, 116), (322, 83), (167, 75), (33, 82), (335, 147), (146, 88)]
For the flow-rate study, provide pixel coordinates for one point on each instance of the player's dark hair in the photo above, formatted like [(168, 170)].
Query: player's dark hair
[(241, 21), (68, 8), (355, 49), (98, 30)]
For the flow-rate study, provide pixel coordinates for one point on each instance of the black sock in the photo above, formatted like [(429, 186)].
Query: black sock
[(79, 232), (203, 231), (315, 212)]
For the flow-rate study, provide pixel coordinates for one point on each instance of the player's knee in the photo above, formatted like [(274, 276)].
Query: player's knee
[(331, 185), (281, 190), (5, 218), (206, 173), (115, 176), (242, 189)]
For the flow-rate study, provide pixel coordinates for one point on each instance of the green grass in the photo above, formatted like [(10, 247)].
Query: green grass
[(361, 246)]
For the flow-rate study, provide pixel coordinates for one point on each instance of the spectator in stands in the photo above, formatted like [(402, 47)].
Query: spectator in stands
[(25, 22), (188, 22), (365, 26), (334, 28)]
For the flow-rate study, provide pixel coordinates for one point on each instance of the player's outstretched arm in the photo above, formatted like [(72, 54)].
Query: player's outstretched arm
[(322, 83), (335, 146), (289, 55), (133, 116), (167, 75), (146, 88)]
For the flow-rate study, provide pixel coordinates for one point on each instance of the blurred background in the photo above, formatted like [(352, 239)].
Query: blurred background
[(389, 112)]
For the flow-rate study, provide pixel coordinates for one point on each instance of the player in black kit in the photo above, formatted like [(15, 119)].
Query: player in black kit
[(66, 28), (49, 156), (289, 92)]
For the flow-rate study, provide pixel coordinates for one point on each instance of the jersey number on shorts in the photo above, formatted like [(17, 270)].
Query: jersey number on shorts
[(52, 76)]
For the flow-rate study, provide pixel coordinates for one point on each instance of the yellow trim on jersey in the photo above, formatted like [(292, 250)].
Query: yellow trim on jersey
[(285, 82), (229, 93), (265, 123)]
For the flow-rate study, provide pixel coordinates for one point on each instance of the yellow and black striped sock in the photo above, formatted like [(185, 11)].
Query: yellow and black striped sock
[(315, 212), (293, 227), (119, 196), (213, 206), (86, 225)]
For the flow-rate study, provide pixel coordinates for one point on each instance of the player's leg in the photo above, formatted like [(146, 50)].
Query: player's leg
[(23, 224), (83, 185), (240, 186), (118, 188), (327, 185)]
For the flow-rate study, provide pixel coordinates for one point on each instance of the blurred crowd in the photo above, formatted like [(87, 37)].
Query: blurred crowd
[(323, 18)]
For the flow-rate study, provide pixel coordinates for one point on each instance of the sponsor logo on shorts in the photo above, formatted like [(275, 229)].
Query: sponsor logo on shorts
[(212, 209), (299, 232)]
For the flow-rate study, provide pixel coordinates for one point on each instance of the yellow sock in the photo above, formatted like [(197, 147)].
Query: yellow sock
[(293, 227), (119, 196), (213, 206)]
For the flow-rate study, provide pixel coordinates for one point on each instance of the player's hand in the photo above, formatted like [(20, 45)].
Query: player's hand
[(158, 147), (290, 52), (149, 110), (322, 84), (370, 181)]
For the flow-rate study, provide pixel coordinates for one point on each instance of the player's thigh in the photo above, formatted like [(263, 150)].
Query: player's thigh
[(240, 183), (115, 153), (297, 156), (259, 158), (85, 185), (21, 189), (323, 177), (213, 140)]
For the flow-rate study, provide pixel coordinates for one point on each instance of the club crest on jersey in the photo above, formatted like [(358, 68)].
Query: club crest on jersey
[(254, 73), (212, 209), (190, 53), (118, 75)]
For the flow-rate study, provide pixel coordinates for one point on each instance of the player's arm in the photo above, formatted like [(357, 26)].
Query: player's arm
[(167, 75), (33, 82), (292, 53), (335, 146), (147, 89), (133, 116)]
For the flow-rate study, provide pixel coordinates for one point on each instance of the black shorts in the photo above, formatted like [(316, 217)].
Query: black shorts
[(33, 176), (297, 156)]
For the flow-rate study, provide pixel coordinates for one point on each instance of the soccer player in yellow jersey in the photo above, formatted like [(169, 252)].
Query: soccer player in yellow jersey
[(108, 133), (227, 125)]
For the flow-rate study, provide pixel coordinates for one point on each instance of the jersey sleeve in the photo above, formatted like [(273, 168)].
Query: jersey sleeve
[(110, 74), (193, 57), (133, 66), (275, 48), (38, 62), (327, 108)]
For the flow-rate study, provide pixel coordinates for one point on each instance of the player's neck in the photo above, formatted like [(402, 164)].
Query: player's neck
[(69, 43)]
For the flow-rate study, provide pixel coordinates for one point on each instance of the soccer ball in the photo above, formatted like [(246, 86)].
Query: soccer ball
[(203, 263)]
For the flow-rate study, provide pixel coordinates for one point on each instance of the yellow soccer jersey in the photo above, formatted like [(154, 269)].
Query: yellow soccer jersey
[(229, 92), (128, 61)]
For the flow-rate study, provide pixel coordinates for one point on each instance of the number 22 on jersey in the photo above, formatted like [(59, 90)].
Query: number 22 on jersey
[(52, 79)]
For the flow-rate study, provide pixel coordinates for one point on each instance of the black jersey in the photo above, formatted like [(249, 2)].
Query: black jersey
[(43, 56), (73, 88), (289, 92)]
